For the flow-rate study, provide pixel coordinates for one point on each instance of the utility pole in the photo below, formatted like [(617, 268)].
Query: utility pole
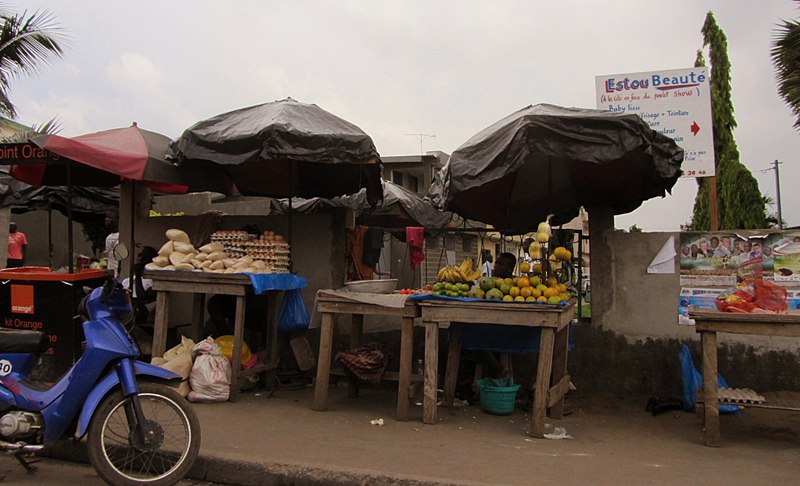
[(778, 193)]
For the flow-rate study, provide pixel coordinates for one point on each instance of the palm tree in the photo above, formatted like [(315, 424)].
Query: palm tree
[(26, 43), (785, 55)]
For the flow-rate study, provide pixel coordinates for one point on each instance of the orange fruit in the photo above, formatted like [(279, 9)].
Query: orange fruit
[(513, 291), (526, 291), (523, 282)]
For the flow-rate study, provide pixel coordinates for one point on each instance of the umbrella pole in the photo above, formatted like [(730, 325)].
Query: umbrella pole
[(132, 251), (289, 220), (71, 246), (49, 235)]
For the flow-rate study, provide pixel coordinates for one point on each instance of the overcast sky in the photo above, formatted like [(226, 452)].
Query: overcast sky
[(404, 67)]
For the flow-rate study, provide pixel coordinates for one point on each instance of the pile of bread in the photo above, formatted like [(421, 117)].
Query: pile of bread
[(179, 254)]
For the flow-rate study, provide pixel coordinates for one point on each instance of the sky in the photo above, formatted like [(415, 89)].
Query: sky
[(416, 75)]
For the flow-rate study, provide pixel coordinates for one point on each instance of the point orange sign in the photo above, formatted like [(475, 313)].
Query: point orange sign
[(22, 299)]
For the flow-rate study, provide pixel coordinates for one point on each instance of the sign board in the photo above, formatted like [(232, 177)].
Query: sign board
[(676, 103), (26, 153)]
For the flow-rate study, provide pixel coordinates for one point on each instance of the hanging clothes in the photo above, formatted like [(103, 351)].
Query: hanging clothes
[(373, 244), (415, 241), (354, 245)]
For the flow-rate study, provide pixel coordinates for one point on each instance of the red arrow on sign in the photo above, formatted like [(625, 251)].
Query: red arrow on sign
[(695, 128)]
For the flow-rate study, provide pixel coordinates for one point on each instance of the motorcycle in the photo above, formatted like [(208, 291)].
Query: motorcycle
[(139, 430)]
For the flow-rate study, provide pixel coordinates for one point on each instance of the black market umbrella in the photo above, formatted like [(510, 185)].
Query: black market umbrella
[(545, 159), (283, 149), (400, 208)]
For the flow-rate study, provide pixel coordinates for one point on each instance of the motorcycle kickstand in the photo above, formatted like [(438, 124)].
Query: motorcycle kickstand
[(28, 465)]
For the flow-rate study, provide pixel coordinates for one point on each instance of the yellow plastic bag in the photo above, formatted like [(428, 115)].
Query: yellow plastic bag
[(225, 344)]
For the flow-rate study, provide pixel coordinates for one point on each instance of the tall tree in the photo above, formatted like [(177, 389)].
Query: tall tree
[(785, 55), (739, 201), (26, 43)]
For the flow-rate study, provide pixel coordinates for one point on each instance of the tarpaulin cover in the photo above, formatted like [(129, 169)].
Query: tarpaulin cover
[(400, 208), (284, 148), (545, 159), (85, 200)]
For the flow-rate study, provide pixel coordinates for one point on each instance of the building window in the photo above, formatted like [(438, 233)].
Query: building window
[(413, 184), (397, 177), (466, 244)]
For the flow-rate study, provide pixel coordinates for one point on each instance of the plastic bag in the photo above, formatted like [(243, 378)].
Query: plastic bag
[(693, 382), (179, 361), (753, 296), (210, 378), (293, 316)]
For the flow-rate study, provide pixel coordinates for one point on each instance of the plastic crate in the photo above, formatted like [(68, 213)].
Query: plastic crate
[(497, 396)]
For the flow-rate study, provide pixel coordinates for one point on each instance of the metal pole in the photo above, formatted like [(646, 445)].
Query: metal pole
[(778, 194)]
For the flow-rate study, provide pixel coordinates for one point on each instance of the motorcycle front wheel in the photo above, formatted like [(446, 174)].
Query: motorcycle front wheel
[(171, 444)]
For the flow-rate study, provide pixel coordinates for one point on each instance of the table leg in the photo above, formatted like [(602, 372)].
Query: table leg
[(406, 351), (543, 370), (160, 325), (559, 367), (198, 312), (429, 415), (238, 336), (453, 359), (710, 391), (356, 331), (323, 363), (271, 357)]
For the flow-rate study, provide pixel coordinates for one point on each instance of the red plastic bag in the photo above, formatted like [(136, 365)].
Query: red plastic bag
[(754, 295), (769, 296)]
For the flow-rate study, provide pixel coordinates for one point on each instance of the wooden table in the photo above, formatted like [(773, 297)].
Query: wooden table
[(331, 303), (552, 380), (199, 284), (708, 324)]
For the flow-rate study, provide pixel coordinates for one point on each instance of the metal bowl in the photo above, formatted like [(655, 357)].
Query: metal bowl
[(386, 286)]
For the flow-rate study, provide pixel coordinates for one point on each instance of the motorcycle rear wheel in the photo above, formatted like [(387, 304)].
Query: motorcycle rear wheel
[(173, 445)]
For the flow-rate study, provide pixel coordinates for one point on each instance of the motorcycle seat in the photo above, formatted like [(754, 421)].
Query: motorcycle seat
[(22, 341)]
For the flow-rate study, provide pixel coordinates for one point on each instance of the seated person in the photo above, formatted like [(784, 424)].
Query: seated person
[(142, 293), (478, 341)]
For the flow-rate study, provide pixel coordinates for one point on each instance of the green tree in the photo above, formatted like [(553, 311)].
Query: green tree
[(26, 43), (785, 55), (739, 201)]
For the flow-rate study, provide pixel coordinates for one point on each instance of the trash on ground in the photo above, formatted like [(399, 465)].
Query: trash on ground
[(557, 434), (378, 422)]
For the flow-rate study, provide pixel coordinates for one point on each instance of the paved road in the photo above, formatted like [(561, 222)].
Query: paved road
[(51, 471)]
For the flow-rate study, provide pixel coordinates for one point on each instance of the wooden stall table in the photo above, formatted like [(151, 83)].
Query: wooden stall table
[(708, 324), (357, 304), (552, 380), (240, 285)]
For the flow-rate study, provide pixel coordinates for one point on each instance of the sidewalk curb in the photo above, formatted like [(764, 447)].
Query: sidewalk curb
[(252, 473)]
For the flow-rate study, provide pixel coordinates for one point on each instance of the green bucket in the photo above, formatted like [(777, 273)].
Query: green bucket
[(497, 395)]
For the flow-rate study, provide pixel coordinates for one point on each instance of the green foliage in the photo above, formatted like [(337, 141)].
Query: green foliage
[(95, 231), (739, 201), (785, 54), (26, 43)]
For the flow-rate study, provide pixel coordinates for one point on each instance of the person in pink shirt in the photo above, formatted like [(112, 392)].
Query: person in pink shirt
[(17, 244)]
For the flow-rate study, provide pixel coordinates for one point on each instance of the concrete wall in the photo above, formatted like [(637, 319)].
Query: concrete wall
[(35, 225), (633, 341)]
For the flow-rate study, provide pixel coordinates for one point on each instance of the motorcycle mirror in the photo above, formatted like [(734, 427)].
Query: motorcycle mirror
[(120, 252)]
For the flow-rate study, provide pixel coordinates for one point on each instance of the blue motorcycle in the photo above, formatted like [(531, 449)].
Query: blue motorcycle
[(140, 431)]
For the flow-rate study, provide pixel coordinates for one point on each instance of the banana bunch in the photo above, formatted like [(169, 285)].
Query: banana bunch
[(460, 273)]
